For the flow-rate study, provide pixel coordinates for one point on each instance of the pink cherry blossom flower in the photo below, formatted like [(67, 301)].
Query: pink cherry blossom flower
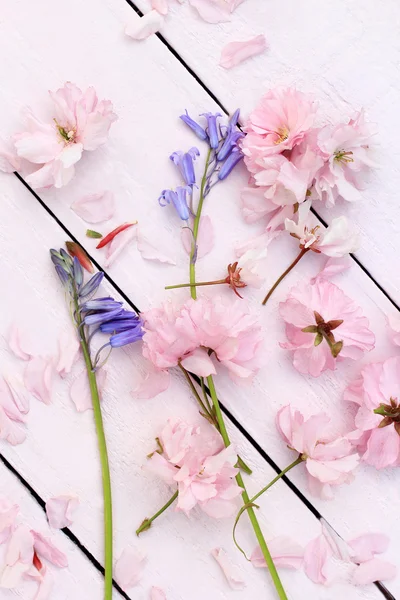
[(323, 326), (337, 240), (329, 461), (346, 151), (358, 554), (80, 123), (256, 206), (252, 265), (278, 123), (177, 334), (394, 328), (377, 393), (194, 458)]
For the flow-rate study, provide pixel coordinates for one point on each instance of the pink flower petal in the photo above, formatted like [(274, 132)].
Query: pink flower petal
[(316, 556), (8, 515), (45, 548), (160, 6), (18, 393), (8, 405), (394, 326), (10, 431), (17, 343), (68, 351), (140, 28), (95, 208), (205, 238), (157, 593), (365, 546), (80, 391), (118, 244), (229, 570), (38, 378), (153, 383), (46, 585), (162, 468), (383, 448), (149, 249), (236, 52), (212, 11), (9, 161), (128, 569), (199, 362), (373, 570), (286, 553), (338, 545), (18, 559), (60, 511), (332, 267)]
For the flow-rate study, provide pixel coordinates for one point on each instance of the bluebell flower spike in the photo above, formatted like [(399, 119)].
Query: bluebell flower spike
[(184, 161), (233, 159), (212, 129), (179, 199)]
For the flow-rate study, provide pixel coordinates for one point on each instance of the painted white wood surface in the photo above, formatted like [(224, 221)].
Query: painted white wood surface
[(135, 166), (345, 53), (80, 580)]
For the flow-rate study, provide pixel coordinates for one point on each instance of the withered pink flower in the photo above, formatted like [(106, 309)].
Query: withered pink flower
[(194, 458), (347, 155), (377, 393), (81, 122), (323, 325), (329, 461)]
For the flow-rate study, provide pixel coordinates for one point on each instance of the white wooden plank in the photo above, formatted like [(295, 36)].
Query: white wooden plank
[(60, 454), (329, 49), (79, 580)]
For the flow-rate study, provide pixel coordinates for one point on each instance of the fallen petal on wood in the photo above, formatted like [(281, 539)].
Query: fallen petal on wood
[(205, 238), (235, 53), (140, 28), (95, 208), (38, 377), (60, 510), (68, 352), (17, 342), (80, 390), (160, 6), (229, 570), (128, 569), (150, 250)]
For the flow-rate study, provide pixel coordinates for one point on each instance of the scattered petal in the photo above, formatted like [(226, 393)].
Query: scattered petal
[(332, 267), (199, 362), (154, 382), (80, 390), (8, 514), (18, 392), (160, 6), (228, 569), (150, 251), (19, 558), (38, 378), (140, 28), (68, 351), (95, 208), (10, 431), (316, 555), (118, 244), (236, 52), (157, 593), (129, 567), (46, 584), (373, 570), (46, 549), (285, 552), (212, 11), (17, 343), (117, 231), (9, 161), (394, 326), (60, 511), (205, 238)]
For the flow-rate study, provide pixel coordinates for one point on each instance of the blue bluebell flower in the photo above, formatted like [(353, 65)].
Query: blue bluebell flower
[(199, 131), (230, 143), (178, 199), (127, 336), (212, 129), (234, 157), (184, 162), (92, 285)]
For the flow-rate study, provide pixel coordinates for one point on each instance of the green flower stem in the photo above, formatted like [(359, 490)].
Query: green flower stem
[(254, 498), (246, 499), (105, 467), (192, 269), (184, 285), (147, 522), (302, 252)]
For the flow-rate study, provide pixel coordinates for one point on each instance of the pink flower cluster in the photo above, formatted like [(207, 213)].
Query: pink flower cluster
[(377, 395), (321, 322), (329, 461), (194, 458), (182, 334), (80, 122), (290, 159)]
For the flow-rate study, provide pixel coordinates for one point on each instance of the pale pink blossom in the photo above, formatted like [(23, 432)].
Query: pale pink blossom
[(323, 326), (255, 206), (329, 461), (80, 123), (215, 11), (235, 53), (333, 267), (278, 123), (8, 515), (128, 569), (10, 430), (347, 155), (394, 327), (95, 208), (194, 458), (9, 161), (253, 267), (18, 392), (377, 389), (337, 240), (60, 510), (140, 28), (358, 555), (178, 334), (285, 552), (283, 183), (235, 581)]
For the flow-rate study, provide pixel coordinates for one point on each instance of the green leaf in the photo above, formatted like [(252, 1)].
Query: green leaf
[(93, 234)]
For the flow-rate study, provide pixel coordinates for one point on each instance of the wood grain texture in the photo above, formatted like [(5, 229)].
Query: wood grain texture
[(150, 89)]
